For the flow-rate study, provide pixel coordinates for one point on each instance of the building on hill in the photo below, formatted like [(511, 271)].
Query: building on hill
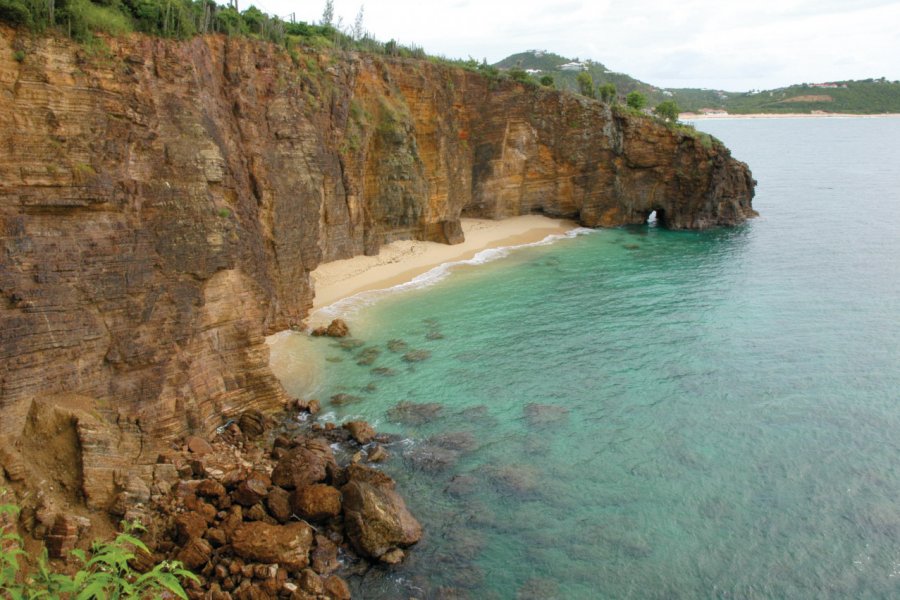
[(573, 66)]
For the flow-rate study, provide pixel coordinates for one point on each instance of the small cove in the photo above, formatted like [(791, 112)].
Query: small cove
[(646, 413)]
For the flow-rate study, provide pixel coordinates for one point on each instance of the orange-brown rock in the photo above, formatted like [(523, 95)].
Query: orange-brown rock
[(316, 502), (286, 545), (336, 588), (166, 201), (375, 517), (360, 431), (298, 468)]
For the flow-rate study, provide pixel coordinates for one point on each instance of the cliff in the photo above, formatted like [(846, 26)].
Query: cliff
[(163, 203)]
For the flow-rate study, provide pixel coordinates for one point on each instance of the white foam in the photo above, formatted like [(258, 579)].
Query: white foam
[(352, 304)]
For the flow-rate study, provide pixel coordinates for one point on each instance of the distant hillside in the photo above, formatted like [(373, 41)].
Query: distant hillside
[(870, 96), (549, 63)]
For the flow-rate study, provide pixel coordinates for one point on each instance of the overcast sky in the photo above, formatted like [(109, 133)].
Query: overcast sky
[(720, 44)]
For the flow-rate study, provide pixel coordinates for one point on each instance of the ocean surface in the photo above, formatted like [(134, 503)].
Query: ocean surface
[(641, 413)]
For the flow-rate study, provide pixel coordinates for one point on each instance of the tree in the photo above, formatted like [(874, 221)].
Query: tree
[(667, 110), (636, 100), (517, 74), (358, 30), (547, 81), (607, 92), (328, 13), (585, 84)]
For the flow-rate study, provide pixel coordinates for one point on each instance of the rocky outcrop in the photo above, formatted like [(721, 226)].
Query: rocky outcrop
[(162, 204)]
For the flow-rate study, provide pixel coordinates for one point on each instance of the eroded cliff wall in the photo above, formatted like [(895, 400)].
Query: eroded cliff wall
[(162, 204)]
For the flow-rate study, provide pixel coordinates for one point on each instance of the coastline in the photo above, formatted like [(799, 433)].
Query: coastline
[(816, 115), (401, 261)]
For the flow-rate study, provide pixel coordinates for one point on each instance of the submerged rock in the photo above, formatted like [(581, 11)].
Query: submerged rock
[(344, 399), (397, 345), (384, 371), (539, 414), (368, 356), (417, 355), (414, 413)]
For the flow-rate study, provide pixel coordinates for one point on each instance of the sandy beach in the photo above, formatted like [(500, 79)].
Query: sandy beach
[(401, 261)]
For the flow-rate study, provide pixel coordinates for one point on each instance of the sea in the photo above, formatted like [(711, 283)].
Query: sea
[(644, 413)]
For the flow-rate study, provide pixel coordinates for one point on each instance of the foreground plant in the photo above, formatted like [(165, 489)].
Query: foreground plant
[(105, 573)]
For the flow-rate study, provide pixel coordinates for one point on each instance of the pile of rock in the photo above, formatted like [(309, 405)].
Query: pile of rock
[(280, 520)]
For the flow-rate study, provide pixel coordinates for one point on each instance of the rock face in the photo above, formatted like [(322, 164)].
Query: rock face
[(286, 545), (163, 203)]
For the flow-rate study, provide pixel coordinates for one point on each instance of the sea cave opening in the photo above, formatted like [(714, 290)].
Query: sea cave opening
[(656, 218)]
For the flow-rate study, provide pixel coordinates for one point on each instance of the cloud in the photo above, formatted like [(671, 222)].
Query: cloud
[(760, 44)]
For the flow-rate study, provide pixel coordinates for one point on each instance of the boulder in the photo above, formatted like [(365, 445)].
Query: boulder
[(316, 502), (279, 504), (298, 468), (195, 553), (250, 491), (189, 525), (375, 517), (286, 545), (361, 431), (337, 328), (324, 557), (336, 588)]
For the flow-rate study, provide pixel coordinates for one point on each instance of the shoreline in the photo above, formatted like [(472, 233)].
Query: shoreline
[(402, 261), (818, 115)]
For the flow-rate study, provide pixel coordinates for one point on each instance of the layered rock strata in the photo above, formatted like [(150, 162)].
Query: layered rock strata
[(162, 204)]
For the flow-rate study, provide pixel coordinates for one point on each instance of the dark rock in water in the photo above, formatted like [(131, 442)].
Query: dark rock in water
[(334, 359), (378, 454), (367, 356), (350, 344), (462, 441), (462, 485), (397, 345), (431, 322), (414, 413), (361, 431), (434, 335), (252, 423), (540, 414), (516, 480), (417, 355), (370, 387), (287, 545), (431, 458), (375, 517), (631, 246), (384, 371), (344, 399)]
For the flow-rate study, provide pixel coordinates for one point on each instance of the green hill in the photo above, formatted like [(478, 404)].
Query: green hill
[(870, 96)]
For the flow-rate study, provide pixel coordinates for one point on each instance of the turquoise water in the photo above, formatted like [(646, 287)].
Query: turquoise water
[(640, 413)]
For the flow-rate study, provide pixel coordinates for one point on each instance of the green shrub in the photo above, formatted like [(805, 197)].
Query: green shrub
[(105, 573), (15, 12), (607, 92), (547, 81), (585, 84), (667, 110), (636, 100), (85, 17), (19, 55)]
